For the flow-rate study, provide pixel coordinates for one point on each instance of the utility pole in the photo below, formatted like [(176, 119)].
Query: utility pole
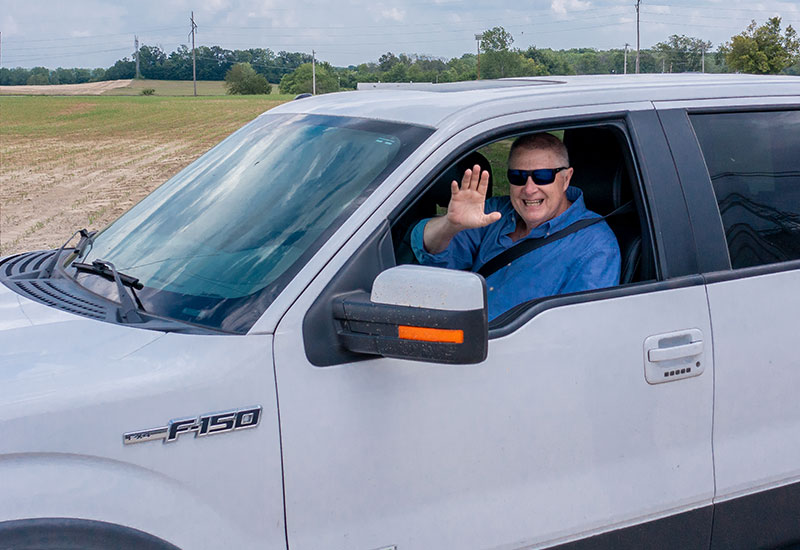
[(194, 62), (136, 53), (313, 72), (703, 59), (637, 35), (478, 38), (625, 68)]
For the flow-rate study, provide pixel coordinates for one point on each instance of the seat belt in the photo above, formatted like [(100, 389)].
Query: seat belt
[(529, 245)]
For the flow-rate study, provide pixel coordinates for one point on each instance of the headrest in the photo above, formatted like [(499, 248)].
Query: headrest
[(599, 165), (441, 189)]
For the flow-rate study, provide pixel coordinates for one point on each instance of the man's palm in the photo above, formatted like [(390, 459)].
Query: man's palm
[(467, 202)]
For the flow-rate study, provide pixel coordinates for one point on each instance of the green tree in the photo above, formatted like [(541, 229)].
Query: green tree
[(243, 79), (153, 63), (122, 69), (762, 50), (683, 53), (37, 80), (464, 67), (387, 61), (497, 59), (552, 62), (39, 76), (500, 61), (300, 81), (496, 39)]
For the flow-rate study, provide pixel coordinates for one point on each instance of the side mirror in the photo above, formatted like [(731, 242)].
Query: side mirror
[(420, 313)]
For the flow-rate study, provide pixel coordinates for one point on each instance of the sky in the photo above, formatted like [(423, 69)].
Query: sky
[(95, 33)]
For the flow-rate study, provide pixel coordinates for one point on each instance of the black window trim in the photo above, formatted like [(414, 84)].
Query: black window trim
[(618, 120), (714, 245), (664, 211), (751, 271), (517, 317), (626, 122)]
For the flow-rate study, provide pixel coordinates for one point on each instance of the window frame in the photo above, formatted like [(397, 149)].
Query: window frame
[(657, 209), (704, 214)]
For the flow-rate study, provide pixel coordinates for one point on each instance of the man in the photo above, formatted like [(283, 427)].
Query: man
[(541, 202)]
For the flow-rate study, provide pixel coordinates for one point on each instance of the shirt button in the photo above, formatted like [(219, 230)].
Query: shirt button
[(491, 288)]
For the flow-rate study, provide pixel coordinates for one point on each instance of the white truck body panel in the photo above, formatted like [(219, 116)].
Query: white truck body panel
[(66, 401)]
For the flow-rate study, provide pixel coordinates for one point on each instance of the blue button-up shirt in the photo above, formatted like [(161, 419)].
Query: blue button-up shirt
[(583, 260)]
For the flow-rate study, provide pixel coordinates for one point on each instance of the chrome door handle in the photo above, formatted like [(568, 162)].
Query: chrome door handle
[(676, 352)]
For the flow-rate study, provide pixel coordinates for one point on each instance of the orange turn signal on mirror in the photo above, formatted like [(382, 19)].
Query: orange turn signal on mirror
[(444, 336)]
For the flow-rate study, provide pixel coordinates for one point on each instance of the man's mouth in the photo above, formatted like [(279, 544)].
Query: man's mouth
[(536, 202)]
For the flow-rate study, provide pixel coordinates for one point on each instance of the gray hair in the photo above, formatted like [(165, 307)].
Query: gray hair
[(543, 142)]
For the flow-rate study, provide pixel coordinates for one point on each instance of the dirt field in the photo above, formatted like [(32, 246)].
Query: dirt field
[(73, 162), (161, 88), (89, 88)]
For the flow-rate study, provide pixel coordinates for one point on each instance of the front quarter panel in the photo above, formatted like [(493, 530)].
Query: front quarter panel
[(70, 389)]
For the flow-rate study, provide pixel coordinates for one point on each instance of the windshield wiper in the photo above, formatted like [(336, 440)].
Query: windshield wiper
[(128, 309), (86, 239)]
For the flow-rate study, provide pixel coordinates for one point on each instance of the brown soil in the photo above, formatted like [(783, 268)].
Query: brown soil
[(89, 88), (66, 185)]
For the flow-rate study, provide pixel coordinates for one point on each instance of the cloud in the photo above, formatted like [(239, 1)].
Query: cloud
[(10, 26), (214, 6), (394, 14), (382, 13), (561, 7), (659, 9)]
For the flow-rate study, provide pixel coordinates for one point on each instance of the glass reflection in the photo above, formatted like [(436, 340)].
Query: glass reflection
[(221, 234), (753, 164)]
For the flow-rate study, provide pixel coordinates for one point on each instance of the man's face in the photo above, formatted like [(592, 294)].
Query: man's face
[(537, 204)]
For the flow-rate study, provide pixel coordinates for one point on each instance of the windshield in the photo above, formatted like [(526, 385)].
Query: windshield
[(216, 243)]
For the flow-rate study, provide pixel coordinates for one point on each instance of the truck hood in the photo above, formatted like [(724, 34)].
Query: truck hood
[(40, 345)]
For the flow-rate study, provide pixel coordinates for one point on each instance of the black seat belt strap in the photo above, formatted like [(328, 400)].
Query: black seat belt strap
[(510, 254)]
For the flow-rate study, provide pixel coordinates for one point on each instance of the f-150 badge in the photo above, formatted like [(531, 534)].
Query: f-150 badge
[(207, 424)]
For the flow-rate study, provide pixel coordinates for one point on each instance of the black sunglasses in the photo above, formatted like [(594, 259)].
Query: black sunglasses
[(543, 176)]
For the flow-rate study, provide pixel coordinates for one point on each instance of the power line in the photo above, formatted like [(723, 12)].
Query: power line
[(26, 40)]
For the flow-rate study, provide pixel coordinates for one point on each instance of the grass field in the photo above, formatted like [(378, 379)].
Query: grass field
[(80, 161), (161, 88)]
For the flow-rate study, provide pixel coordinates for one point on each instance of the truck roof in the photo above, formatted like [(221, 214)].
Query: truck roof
[(433, 104)]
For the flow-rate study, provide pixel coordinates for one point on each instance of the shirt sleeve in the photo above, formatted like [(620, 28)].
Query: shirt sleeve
[(598, 267), (460, 253)]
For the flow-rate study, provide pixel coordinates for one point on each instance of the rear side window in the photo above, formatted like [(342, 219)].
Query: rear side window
[(753, 160)]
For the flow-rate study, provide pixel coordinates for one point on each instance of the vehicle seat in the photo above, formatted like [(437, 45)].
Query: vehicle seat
[(438, 194), (440, 191), (600, 172)]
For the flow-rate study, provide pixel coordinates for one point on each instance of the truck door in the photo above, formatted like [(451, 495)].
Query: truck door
[(587, 426), (747, 183)]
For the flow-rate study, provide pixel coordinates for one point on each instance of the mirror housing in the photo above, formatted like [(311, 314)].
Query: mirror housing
[(419, 313)]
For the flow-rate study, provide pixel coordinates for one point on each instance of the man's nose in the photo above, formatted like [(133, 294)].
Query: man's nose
[(530, 186)]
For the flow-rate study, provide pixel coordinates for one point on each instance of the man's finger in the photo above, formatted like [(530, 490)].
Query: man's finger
[(453, 188), (476, 177), (483, 184), (466, 179), (492, 217)]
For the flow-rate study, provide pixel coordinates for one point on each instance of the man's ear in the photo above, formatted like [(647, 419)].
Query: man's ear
[(567, 176)]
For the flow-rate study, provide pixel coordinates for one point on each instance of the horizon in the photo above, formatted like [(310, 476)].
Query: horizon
[(95, 34)]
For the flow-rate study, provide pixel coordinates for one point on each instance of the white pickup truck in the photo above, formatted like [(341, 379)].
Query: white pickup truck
[(250, 358)]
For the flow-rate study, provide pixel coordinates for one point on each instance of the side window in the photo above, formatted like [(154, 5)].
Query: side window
[(754, 165), (603, 170)]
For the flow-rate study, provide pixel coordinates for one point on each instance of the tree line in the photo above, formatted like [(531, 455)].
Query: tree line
[(212, 63), (758, 49)]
